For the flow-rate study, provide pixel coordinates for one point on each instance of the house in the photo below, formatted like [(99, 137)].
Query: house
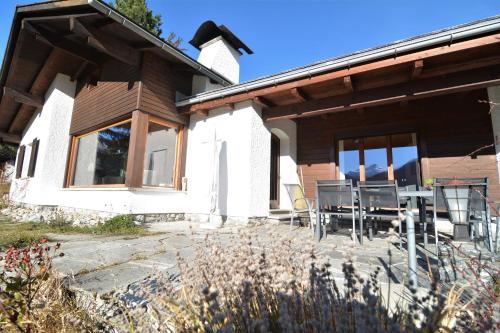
[(112, 120)]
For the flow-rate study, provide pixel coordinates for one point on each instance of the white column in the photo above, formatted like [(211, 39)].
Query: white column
[(494, 98)]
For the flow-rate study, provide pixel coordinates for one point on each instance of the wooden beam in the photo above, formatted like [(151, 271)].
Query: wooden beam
[(347, 81), (263, 102), (202, 113), (10, 138), (453, 83), (57, 17), (105, 43), (230, 106), (299, 94), (79, 71), (393, 61), (24, 97), (68, 46), (416, 68), (57, 61), (137, 149)]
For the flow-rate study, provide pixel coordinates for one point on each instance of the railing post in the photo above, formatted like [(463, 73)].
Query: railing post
[(412, 250)]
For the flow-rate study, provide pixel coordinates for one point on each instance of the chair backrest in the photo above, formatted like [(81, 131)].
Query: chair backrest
[(379, 194), (334, 193), (297, 197), (462, 198)]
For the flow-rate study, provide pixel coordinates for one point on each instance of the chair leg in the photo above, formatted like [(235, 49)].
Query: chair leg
[(370, 229), (436, 240), (425, 234), (360, 229), (401, 235)]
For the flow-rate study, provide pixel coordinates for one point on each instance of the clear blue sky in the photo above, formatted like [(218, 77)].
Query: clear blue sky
[(288, 33)]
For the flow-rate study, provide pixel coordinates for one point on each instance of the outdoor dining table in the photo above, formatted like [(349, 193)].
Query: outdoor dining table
[(421, 196)]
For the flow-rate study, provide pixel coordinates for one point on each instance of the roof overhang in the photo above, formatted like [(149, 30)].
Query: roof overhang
[(466, 47), (70, 37)]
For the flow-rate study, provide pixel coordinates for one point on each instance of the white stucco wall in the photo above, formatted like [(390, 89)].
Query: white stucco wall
[(286, 131), (240, 142), (220, 56), (494, 97), (51, 126)]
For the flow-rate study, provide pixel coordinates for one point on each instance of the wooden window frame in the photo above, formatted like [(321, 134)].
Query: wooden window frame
[(179, 149), (73, 154), (390, 162), (135, 160)]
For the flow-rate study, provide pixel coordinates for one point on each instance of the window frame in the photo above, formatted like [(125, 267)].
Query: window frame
[(389, 152), (179, 149), (74, 154)]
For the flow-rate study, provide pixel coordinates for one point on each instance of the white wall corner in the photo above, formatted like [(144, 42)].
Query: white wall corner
[(260, 164), (51, 126), (494, 98), (286, 131)]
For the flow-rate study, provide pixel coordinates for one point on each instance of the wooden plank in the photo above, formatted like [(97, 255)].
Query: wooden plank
[(416, 68), (68, 46), (362, 173), (10, 138), (393, 61), (24, 97), (390, 162), (347, 81), (105, 43), (299, 94), (412, 90), (262, 102), (179, 154), (137, 149)]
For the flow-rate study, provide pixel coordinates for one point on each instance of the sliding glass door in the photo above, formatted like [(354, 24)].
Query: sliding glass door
[(385, 157)]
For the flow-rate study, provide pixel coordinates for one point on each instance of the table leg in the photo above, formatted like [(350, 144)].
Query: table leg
[(412, 250), (423, 219)]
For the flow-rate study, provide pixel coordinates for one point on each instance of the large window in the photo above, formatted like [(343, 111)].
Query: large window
[(380, 158), (159, 158), (143, 151), (101, 157)]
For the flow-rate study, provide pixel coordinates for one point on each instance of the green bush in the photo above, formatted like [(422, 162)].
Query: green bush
[(118, 224)]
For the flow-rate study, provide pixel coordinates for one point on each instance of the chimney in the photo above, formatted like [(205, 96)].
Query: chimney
[(219, 50)]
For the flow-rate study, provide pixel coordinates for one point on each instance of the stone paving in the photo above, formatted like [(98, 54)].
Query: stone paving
[(100, 264)]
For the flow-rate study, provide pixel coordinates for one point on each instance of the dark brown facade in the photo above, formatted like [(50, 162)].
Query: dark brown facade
[(121, 89), (454, 134)]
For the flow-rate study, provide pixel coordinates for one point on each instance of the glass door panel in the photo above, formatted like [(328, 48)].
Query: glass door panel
[(405, 158), (375, 150), (349, 159)]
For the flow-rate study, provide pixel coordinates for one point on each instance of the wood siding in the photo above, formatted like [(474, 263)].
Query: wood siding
[(448, 128), (158, 91), (122, 89), (114, 97)]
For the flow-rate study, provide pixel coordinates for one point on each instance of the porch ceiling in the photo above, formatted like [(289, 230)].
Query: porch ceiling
[(451, 68)]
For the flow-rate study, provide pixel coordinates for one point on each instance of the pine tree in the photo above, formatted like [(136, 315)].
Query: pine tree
[(138, 11)]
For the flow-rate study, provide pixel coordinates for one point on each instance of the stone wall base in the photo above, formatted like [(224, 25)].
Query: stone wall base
[(76, 216)]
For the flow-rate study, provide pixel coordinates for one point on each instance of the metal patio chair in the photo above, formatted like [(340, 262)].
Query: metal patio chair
[(300, 204), (378, 200), (465, 200), (335, 199)]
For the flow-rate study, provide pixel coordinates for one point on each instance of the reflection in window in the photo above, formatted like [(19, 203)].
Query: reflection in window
[(349, 159), (405, 157), (102, 157), (159, 160), (375, 149)]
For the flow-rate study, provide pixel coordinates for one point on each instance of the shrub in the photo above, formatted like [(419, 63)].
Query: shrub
[(278, 287), (119, 224), (32, 298)]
